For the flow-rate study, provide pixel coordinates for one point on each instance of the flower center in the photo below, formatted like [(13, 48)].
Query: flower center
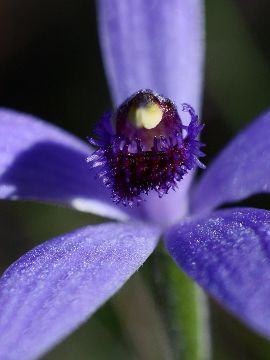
[(142, 147)]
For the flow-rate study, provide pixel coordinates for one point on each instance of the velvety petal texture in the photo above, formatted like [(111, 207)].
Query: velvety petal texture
[(42, 162), (52, 289), (228, 253), (241, 170), (155, 45)]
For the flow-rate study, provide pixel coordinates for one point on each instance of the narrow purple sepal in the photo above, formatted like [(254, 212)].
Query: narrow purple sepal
[(51, 290), (155, 45), (228, 254), (39, 161), (241, 170)]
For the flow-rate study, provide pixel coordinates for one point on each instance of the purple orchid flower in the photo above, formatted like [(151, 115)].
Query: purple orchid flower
[(52, 289)]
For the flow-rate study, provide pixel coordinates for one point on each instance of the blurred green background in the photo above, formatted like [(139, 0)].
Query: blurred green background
[(50, 66)]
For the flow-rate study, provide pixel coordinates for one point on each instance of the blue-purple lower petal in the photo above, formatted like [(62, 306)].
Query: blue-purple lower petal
[(228, 254), (51, 290)]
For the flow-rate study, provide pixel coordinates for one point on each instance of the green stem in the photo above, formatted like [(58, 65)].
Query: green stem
[(189, 310), (141, 320), (170, 322)]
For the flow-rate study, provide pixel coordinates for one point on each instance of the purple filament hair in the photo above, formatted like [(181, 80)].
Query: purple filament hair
[(144, 146)]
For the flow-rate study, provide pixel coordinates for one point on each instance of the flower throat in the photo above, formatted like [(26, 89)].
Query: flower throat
[(143, 146)]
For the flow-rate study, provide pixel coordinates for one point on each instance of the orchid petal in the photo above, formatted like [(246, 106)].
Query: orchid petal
[(51, 290), (155, 45), (228, 254), (39, 161), (241, 170)]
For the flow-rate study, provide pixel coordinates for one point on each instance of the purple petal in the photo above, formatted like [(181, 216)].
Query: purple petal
[(52, 289), (171, 207), (228, 253), (39, 161), (153, 44), (241, 170), (157, 45)]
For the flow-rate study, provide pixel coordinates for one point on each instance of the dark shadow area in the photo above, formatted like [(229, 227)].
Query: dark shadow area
[(50, 62), (52, 172), (260, 201), (233, 339), (13, 241)]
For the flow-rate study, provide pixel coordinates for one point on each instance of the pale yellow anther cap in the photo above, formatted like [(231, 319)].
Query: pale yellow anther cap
[(147, 116)]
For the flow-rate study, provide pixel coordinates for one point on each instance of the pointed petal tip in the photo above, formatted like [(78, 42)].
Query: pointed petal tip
[(241, 170)]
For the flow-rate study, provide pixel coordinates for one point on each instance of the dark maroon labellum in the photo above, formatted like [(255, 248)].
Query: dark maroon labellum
[(144, 146)]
